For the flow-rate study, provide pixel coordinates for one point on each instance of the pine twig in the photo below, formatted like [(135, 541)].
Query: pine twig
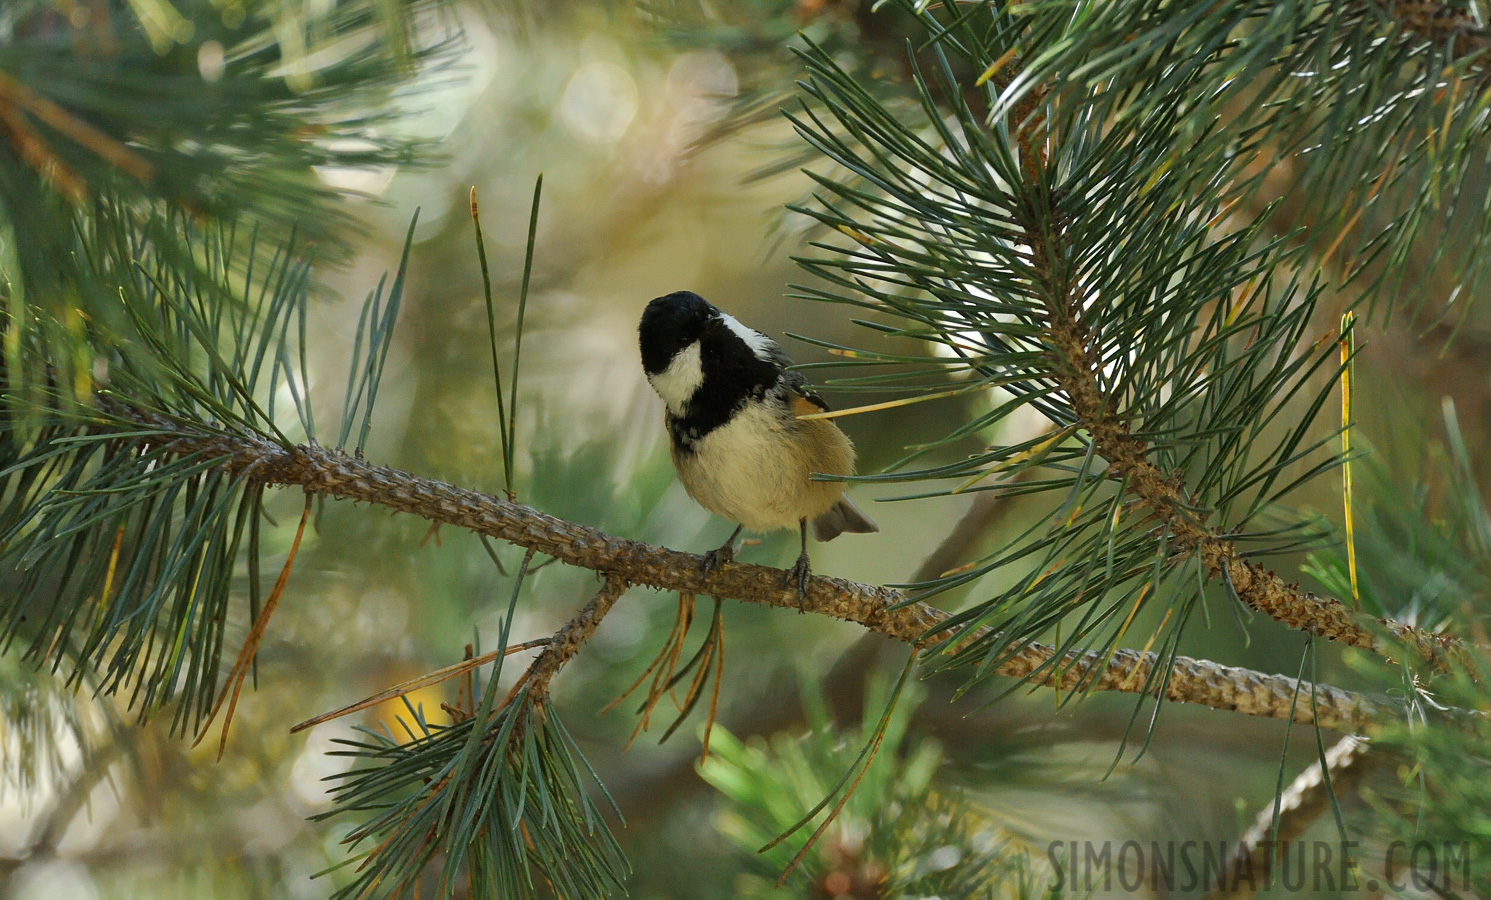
[(773, 711)]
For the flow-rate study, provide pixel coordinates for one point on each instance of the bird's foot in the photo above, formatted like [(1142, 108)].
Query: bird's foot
[(720, 555), (800, 572)]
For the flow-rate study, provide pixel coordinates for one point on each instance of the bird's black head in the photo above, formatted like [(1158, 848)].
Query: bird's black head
[(669, 324), (704, 365)]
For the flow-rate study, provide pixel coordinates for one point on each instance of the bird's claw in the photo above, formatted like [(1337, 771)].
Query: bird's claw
[(800, 572), (717, 557)]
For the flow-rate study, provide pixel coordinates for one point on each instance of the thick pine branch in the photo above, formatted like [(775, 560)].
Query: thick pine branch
[(885, 611)]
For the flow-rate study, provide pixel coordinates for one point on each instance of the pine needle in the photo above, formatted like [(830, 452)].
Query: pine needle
[(714, 700), (465, 667), (251, 643), (486, 285), (866, 758), (684, 614), (889, 404), (1348, 353)]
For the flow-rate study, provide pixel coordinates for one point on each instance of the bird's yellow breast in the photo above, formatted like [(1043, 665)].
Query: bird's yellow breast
[(757, 468)]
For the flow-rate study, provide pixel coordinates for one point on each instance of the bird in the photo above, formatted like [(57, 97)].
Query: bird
[(733, 410)]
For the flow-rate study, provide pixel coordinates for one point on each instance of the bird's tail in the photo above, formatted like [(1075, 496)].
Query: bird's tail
[(841, 517)]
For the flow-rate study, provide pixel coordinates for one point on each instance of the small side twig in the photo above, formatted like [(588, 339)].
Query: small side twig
[(1304, 801), (566, 641)]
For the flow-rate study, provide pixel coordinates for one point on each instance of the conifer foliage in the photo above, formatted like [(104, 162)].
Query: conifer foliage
[(1075, 208)]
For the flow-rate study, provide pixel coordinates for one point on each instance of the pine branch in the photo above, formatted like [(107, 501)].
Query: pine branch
[(844, 683), (1256, 586), (1076, 371), (879, 609)]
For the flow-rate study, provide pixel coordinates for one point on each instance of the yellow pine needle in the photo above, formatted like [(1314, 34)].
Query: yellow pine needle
[(1341, 236), (113, 566), (1161, 172), (889, 404), (1323, 341), (994, 67), (1236, 309), (1153, 634), (1018, 458), (1054, 567), (464, 667), (103, 598), (1347, 342), (958, 570), (1108, 660), (992, 470), (1150, 643), (1224, 213)]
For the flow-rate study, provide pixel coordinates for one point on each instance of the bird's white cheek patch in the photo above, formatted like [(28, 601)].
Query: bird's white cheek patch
[(677, 383), (758, 342)]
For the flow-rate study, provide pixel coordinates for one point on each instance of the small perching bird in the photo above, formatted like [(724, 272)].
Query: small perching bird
[(737, 441)]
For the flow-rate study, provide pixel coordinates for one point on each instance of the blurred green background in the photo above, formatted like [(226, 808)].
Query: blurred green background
[(642, 195)]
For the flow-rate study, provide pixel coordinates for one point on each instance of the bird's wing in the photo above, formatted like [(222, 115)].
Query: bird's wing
[(803, 395), (804, 400)]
